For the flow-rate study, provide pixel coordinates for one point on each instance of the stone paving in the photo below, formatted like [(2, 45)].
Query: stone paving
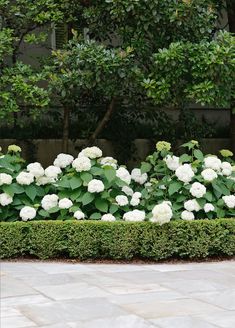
[(67, 295)]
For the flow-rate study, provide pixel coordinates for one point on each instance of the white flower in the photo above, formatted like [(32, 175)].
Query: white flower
[(212, 162), (124, 175), (5, 179), (82, 164), (162, 213), (49, 201), (134, 201), (209, 175), (192, 205), (91, 152), (226, 168), (65, 203), (79, 215), (108, 161), (25, 178), (63, 160), (27, 213), (5, 199), (148, 185), (41, 181), (208, 207), (229, 201), (95, 186), (184, 173), (128, 191), (108, 217), (197, 190), (52, 171), (121, 200), (172, 162), (36, 169), (134, 216), (138, 177), (186, 215)]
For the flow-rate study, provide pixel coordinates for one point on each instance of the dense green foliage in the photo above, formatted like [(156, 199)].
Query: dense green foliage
[(119, 240), (135, 51)]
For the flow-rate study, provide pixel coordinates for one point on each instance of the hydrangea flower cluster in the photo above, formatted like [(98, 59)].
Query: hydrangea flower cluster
[(166, 187)]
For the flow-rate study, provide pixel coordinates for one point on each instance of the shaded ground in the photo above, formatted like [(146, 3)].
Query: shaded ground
[(138, 295)]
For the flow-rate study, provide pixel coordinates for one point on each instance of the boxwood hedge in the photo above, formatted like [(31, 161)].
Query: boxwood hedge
[(118, 240)]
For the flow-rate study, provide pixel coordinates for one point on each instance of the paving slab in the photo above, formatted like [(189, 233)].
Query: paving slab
[(80, 295)]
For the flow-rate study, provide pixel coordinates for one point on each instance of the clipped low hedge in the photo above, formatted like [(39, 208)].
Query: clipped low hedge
[(118, 240)]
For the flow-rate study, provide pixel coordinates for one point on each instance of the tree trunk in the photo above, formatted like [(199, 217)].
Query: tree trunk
[(231, 21), (65, 138), (102, 123)]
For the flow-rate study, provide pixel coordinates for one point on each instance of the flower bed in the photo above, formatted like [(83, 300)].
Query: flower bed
[(165, 188), (118, 240)]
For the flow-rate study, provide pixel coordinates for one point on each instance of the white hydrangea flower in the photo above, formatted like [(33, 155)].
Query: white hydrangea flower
[(138, 177), (128, 191), (91, 152), (5, 199), (79, 215), (209, 175), (108, 217), (184, 173), (65, 203), (124, 175), (192, 205), (36, 169), (95, 186), (63, 160), (42, 181), (52, 171), (137, 194), (212, 162), (5, 179), (108, 161), (197, 190), (188, 216), (208, 207), (121, 200), (27, 213), (226, 168), (82, 164), (49, 201), (134, 201), (148, 185), (229, 201), (162, 213), (134, 216), (25, 178), (172, 162)]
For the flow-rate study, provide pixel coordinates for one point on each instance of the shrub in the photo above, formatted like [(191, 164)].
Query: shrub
[(118, 240), (95, 187)]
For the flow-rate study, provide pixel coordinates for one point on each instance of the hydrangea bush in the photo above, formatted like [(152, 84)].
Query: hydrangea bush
[(192, 186), (166, 187)]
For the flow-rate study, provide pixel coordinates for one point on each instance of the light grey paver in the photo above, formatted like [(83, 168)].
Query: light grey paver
[(180, 307), (182, 322), (16, 322), (71, 311), (70, 295), (72, 291), (130, 321), (224, 319)]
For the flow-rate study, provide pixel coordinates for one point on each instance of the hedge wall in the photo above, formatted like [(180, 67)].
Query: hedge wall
[(118, 240)]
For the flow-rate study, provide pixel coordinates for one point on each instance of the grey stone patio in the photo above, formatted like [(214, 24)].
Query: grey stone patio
[(63, 295)]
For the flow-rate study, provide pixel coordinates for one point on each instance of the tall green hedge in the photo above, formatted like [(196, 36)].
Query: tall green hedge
[(118, 240)]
